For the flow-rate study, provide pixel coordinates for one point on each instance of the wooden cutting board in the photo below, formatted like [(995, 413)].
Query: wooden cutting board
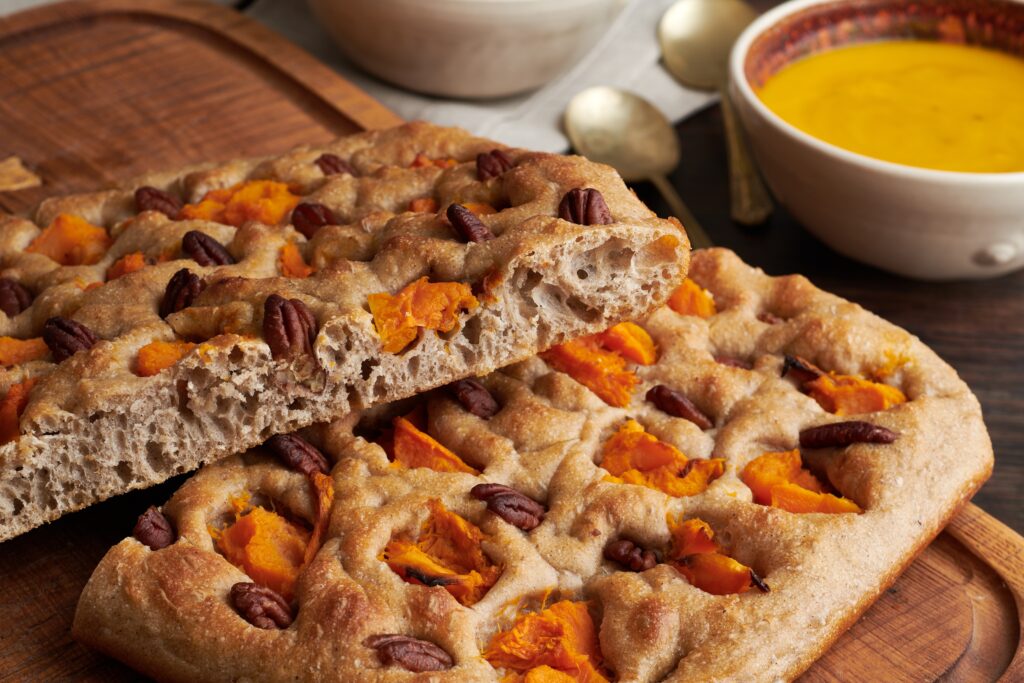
[(98, 91)]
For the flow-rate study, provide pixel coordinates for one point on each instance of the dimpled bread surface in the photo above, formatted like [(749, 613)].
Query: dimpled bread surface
[(93, 427), (168, 613)]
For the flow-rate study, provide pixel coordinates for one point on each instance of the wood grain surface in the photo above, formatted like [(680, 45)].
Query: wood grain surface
[(95, 92)]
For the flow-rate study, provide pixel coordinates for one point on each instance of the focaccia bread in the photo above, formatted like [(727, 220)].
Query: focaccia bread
[(713, 494), (190, 316)]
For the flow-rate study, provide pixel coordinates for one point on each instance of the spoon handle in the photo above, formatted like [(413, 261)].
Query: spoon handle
[(698, 238), (750, 202)]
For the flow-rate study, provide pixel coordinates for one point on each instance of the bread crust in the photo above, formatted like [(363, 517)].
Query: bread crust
[(94, 428), (166, 613)]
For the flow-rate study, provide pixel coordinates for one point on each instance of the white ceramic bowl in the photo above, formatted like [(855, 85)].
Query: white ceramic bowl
[(921, 223), (466, 48)]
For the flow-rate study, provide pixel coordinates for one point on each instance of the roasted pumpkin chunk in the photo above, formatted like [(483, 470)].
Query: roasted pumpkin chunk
[(446, 553), (11, 408), (71, 241), (422, 161), (844, 394), (557, 644), (290, 262), (696, 555), (630, 341), (599, 361), (412, 447), (633, 456), (430, 305), (692, 299), (265, 545), (852, 395), (17, 351), (323, 497), (157, 356), (264, 201), (127, 264), (780, 480)]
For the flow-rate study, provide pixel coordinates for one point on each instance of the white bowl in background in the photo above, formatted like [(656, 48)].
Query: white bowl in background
[(917, 222), (466, 48)]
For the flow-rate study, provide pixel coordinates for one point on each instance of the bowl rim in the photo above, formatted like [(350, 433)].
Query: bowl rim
[(738, 78)]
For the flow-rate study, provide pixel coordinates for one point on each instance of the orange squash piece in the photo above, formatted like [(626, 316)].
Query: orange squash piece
[(603, 372), (415, 448), (561, 639), (422, 160), (264, 201), (697, 556), (291, 263), (852, 395), (630, 341), (447, 553), (779, 480), (323, 495), (715, 573), (17, 351), (129, 263), (424, 205), (692, 299), (157, 356), (11, 408), (267, 547), (430, 305), (71, 241), (480, 209), (632, 456)]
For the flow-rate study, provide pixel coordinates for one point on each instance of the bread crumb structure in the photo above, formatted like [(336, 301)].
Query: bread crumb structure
[(529, 526), (191, 315)]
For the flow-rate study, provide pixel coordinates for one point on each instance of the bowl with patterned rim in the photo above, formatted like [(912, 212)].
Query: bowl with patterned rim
[(918, 222)]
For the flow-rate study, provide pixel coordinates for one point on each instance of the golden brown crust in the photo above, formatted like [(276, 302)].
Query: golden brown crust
[(93, 427), (546, 440)]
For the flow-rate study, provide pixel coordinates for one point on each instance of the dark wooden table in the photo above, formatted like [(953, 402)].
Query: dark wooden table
[(976, 326)]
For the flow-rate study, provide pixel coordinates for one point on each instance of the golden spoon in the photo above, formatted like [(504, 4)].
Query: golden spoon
[(627, 132), (696, 37)]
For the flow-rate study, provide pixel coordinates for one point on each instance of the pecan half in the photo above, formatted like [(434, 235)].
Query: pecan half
[(288, 327), (205, 250), (759, 582), (474, 397), (630, 555), (675, 404), (261, 606), (839, 434), (182, 289), (585, 207), (332, 164), (409, 653), (66, 337), (308, 217), (151, 199), (511, 505), (154, 529), (801, 369), (14, 298), (298, 454), (492, 164), (469, 227)]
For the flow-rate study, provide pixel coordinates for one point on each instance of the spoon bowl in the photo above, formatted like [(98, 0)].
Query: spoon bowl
[(625, 131), (630, 134), (696, 37)]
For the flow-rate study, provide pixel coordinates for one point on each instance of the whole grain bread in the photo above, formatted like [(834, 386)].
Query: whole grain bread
[(169, 614), (92, 427)]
